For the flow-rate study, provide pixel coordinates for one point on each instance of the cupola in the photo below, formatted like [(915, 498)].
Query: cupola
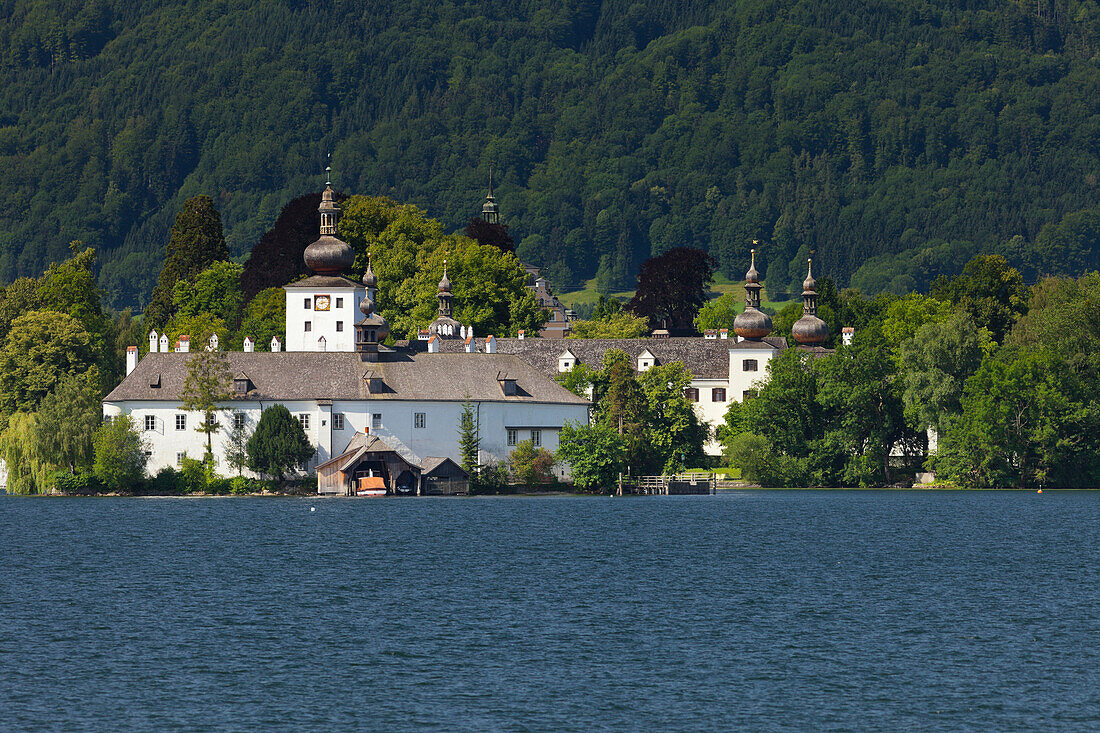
[(329, 255), (809, 330), (752, 323)]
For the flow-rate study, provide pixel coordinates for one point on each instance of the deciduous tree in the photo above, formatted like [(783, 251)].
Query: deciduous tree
[(673, 287), (119, 454)]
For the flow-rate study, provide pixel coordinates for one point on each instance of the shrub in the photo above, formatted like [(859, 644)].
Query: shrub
[(78, 483)]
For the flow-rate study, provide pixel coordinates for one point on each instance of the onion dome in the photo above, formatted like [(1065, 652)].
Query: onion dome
[(445, 283), (329, 255), (372, 320), (809, 283), (369, 278), (752, 277), (810, 330), (752, 324)]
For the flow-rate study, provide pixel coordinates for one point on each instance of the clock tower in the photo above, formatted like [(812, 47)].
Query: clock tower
[(321, 310)]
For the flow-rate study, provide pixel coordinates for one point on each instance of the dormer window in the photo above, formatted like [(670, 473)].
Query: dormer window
[(507, 384), (241, 385)]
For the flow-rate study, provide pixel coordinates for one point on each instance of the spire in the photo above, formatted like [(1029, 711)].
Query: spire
[(809, 330), (490, 212), (328, 255), (752, 283), (809, 290), (752, 323), (328, 208), (444, 294)]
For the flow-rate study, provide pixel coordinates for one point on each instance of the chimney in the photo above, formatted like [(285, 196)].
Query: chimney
[(433, 344), (153, 342), (249, 345), (846, 335), (275, 344), (521, 334), (213, 345), (471, 347), (462, 331), (185, 344), (164, 343), (710, 333), (724, 333), (131, 359), (491, 345)]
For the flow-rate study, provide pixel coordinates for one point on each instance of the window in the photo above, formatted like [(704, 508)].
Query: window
[(179, 458), (376, 420), (339, 325), (512, 435), (338, 421), (536, 438), (240, 386), (418, 420), (747, 395), (150, 422), (303, 418), (181, 422), (748, 365), (309, 326), (691, 394), (718, 394), (339, 304), (238, 420), (307, 305), (212, 419)]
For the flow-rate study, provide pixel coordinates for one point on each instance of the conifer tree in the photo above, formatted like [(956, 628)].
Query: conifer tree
[(279, 443), (469, 440), (196, 243)]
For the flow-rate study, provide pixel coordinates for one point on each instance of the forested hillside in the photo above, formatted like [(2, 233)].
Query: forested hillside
[(894, 139)]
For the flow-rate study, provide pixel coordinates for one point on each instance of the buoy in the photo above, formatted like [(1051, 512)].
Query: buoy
[(313, 508), (1039, 491)]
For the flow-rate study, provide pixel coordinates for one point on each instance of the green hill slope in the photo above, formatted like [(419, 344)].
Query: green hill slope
[(894, 139)]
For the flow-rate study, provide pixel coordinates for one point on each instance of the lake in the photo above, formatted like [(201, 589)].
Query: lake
[(761, 610)]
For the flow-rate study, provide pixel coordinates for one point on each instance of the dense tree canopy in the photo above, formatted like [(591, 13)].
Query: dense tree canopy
[(196, 243), (895, 139), (672, 288)]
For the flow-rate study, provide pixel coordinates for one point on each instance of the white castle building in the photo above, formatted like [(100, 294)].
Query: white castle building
[(368, 409)]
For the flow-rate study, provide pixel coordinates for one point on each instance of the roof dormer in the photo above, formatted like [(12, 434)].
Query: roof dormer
[(646, 360), (566, 361)]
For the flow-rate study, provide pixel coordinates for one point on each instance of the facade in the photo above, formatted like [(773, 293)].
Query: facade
[(340, 381), (725, 369)]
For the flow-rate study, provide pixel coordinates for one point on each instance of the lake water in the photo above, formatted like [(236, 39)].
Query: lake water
[(755, 610)]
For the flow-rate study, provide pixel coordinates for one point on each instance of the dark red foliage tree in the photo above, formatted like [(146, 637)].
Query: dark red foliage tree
[(277, 257), (497, 235), (672, 288)]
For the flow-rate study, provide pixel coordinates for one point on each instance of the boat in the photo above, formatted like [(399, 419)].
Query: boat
[(371, 486)]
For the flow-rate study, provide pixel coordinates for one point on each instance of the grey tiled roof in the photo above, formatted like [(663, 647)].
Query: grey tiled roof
[(310, 375), (704, 358)]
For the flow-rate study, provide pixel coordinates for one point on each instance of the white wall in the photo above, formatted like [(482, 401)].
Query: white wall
[(438, 437), (739, 382), (322, 323)]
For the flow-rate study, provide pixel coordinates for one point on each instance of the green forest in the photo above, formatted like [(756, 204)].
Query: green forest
[(894, 140)]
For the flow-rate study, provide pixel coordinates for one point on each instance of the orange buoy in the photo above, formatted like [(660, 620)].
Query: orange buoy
[(1039, 491)]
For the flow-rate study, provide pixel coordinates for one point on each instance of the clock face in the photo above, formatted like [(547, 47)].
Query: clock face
[(321, 303)]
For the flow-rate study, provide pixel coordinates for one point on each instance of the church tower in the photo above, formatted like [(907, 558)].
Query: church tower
[(444, 325), (752, 324), (320, 310), (372, 329), (809, 330), (490, 212)]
